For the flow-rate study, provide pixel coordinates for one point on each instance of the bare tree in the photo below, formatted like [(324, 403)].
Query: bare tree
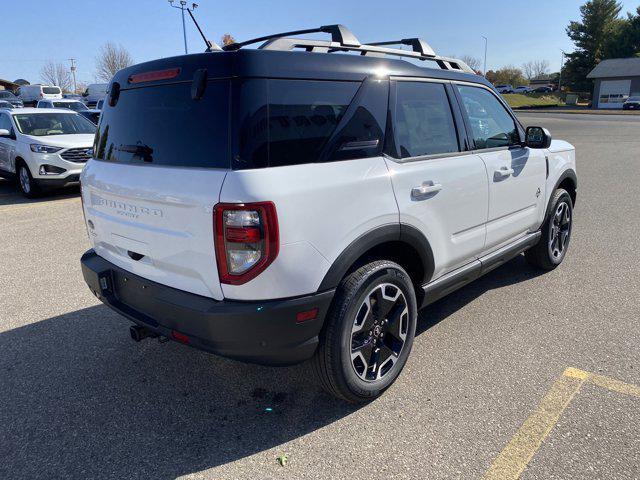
[(227, 39), (535, 68), (56, 74), (111, 58), (473, 62)]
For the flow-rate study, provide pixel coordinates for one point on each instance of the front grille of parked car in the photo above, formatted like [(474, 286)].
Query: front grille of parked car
[(76, 154)]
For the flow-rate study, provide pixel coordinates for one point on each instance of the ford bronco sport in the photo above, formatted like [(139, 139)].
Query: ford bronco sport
[(303, 200)]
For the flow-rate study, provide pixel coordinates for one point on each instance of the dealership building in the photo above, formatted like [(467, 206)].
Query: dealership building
[(616, 80)]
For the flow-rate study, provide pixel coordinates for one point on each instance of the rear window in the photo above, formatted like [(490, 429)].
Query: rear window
[(163, 125), (75, 106), (51, 90)]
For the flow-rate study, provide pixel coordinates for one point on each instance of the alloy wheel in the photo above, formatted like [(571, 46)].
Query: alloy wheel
[(379, 332), (25, 181), (560, 230)]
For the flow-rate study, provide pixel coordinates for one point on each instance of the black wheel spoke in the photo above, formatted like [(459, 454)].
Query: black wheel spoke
[(379, 332)]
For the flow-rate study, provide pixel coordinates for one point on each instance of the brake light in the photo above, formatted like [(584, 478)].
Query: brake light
[(155, 75), (246, 240)]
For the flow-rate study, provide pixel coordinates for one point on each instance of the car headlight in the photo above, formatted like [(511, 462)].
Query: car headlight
[(36, 147)]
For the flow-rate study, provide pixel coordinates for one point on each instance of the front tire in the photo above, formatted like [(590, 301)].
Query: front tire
[(27, 185), (368, 332), (551, 249)]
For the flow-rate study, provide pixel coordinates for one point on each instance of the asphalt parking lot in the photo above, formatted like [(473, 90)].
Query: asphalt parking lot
[(517, 372)]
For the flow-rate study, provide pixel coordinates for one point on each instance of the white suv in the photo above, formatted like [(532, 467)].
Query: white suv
[(273, 205), (43, 148)]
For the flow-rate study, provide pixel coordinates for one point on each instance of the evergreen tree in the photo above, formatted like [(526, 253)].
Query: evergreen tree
[(593, 36)]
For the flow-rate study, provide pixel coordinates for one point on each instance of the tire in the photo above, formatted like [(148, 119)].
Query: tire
[(358, 332), (27, 185), (551, 249)]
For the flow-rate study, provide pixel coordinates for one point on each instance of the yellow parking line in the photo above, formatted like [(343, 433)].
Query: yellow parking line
[(513, 459), (524, 444)]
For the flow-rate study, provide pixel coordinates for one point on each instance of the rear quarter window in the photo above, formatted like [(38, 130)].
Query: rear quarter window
[(291, 122)]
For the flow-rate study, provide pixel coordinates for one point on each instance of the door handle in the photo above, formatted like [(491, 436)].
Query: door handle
[(503, 173), (425, 189)]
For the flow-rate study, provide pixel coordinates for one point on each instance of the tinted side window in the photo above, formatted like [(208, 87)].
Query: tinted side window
[(491, 124), (423, 120), (302, 116), (291, 122)]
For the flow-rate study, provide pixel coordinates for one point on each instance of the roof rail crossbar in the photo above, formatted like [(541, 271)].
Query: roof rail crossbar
[(339, 34), (418, 45)]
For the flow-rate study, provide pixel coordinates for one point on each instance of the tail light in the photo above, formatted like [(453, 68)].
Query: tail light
[(246, 240)]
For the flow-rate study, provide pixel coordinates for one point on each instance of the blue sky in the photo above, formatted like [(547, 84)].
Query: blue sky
[(518, 31)]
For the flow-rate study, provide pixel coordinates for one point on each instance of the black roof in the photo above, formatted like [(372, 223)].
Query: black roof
[(290, 64)]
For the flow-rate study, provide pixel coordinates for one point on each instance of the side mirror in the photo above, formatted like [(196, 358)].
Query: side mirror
[(4, 132), (537, 137)]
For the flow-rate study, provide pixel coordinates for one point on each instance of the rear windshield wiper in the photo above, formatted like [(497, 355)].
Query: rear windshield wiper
[(144, 151)]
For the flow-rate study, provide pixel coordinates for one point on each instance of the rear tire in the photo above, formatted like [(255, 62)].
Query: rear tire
[(27, 185), (368, 333), (551, 249)]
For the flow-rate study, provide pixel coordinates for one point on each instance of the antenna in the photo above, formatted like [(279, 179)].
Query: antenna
[(211, 46)]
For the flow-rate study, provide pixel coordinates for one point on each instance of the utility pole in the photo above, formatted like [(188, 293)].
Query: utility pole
[(486, 41), (73, 72), (182, 8), (560, 77)]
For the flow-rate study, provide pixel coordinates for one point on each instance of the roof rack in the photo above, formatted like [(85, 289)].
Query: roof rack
[(339, 34), (343, 40), (418, 45)]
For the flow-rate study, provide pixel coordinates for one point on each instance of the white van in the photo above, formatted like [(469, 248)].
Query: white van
[(94, 93), (34, 93)]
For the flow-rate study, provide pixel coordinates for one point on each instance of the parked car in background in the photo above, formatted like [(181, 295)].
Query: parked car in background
[(74, 105), (544, 89), (44, 148), (94, 93), (632, 103), (311, 216), (504, 88), (31, 94), (5, 104), (7, 96), (72, 96), (91, 115), (523, 89)]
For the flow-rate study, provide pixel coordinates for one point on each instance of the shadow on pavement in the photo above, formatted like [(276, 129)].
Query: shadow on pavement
[(80, 399), (10, 194)]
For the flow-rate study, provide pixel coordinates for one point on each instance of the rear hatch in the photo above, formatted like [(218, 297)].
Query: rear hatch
[(161, 153)]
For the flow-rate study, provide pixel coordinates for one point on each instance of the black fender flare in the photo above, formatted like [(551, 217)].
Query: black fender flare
[(374, 237), (570, 174)]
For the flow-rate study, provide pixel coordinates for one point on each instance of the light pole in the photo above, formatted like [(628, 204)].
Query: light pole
[(182, 8), (560, 77), (486, 41), (73, 72)]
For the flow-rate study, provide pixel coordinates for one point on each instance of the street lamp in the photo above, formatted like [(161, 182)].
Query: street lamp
[(182, 8), (560, 77), (486, 41)]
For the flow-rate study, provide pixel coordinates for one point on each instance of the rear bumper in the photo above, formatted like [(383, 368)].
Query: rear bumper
[(264, 332)]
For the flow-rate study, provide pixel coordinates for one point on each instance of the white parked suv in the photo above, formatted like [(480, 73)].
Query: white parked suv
[(43, 148), (275, 205)]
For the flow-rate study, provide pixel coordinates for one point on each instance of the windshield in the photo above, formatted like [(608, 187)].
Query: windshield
[(44, 124), (5, 94), (51, 90), (633, 99), (75, 106)]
